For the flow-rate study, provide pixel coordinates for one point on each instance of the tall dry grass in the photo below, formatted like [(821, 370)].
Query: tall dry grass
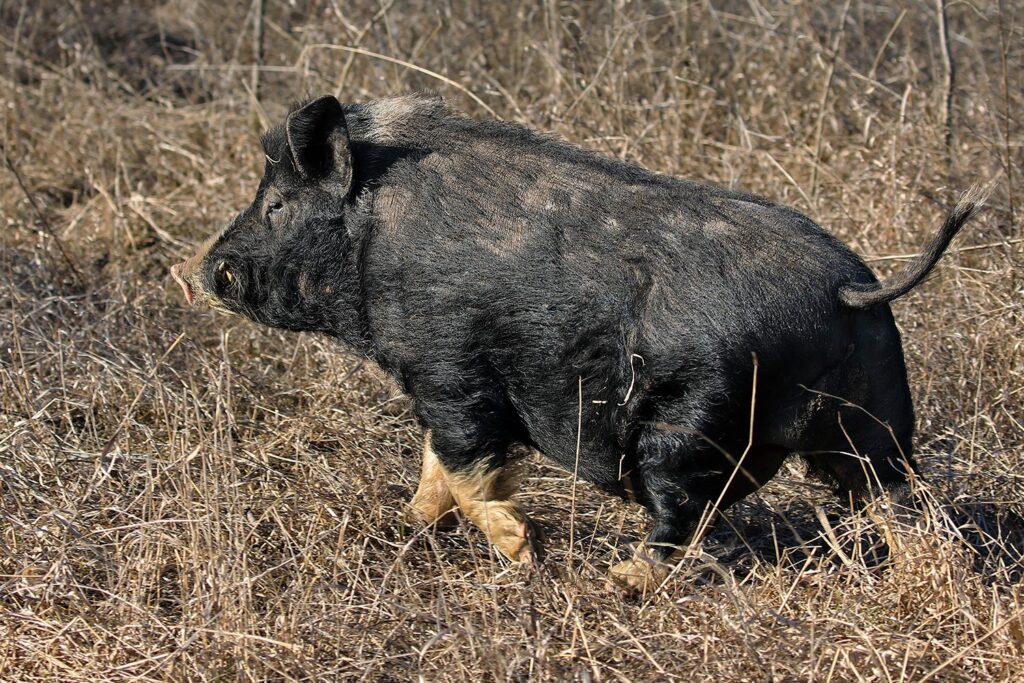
[(185, 496)]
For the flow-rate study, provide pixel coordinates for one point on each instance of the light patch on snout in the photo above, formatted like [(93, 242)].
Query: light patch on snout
[(184, 273)]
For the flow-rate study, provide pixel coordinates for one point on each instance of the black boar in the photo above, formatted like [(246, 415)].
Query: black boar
[(525, 291)]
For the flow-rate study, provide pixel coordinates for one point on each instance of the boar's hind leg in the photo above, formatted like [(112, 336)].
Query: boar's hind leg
[(864, 455), (677, 500), (433, 502), (864, 441)]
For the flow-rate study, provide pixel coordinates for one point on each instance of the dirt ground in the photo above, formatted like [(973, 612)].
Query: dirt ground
[(187, 496)]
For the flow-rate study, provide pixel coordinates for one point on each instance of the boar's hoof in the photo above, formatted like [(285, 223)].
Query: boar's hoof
[(637, 575), (533, 551), (511, 532)]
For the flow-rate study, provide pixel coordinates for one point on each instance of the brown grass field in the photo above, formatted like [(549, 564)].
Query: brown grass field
[(186, 496)]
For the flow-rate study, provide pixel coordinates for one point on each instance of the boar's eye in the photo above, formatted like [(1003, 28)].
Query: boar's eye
[(274, 207)]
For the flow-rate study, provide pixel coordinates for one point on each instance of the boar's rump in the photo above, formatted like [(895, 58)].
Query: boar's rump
[(668, 340)]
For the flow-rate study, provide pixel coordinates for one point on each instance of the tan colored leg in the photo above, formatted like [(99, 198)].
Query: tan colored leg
[(484, 496), (639, 574), (433, 502)]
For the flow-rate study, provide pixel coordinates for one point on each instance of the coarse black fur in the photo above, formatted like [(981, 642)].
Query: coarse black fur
[(496, 273)]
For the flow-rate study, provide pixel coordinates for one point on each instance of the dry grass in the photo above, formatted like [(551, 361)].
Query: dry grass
[(185, 496)]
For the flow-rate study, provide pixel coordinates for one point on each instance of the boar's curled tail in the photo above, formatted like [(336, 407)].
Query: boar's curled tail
[(866, 295)]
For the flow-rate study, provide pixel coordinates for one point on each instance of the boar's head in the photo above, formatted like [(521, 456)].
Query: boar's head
[(285, 260)]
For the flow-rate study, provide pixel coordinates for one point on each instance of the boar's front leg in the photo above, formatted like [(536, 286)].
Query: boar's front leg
[(433, 502), (483, 491), (484, 496)]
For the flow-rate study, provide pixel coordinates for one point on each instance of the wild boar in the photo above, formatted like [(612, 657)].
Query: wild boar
[(667, 340)]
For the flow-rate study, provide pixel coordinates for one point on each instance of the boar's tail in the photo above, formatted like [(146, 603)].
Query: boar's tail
[(866, 295)]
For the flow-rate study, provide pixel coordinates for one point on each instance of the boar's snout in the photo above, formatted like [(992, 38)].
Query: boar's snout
[(186, 273), (181, 276)]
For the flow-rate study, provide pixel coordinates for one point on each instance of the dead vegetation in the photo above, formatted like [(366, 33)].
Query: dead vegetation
[(185, 496)]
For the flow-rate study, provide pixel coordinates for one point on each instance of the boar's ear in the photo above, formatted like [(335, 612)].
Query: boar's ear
[(318, 142)]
